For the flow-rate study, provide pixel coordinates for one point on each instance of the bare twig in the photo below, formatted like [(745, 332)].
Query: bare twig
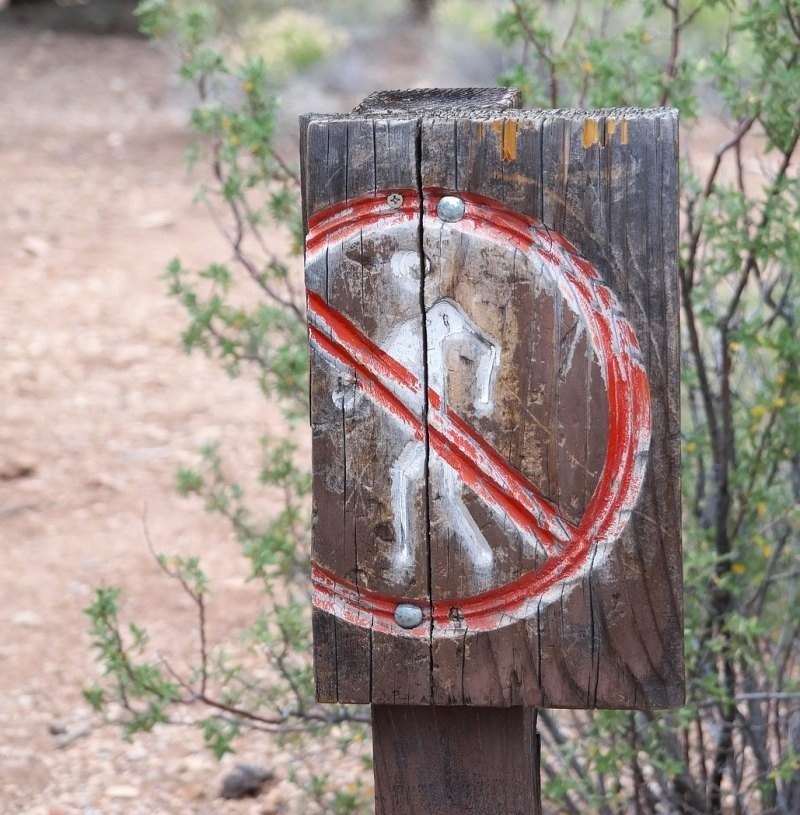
[(541, 50)]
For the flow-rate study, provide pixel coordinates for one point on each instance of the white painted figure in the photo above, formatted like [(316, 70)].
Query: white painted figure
[(445, 322)]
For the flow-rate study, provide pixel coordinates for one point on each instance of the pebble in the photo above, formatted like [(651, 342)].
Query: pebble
[(194, 762), (156, 220), (122, 791), (26, 619), (17, 467), (75, 733), (35, 246), (244, 781), (138, 752), (57, 728)]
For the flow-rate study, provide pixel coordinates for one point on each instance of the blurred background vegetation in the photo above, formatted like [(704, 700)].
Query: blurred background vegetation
[(733, 70)]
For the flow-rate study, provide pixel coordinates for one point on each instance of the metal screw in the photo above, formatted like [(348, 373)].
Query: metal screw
[(407, 615), (394, 200), (450, 208)]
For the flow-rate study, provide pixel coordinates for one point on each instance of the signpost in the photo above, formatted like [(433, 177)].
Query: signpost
[(493, 323)]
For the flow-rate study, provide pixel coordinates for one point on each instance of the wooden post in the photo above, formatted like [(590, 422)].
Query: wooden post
[(455, 760), (493, 316)]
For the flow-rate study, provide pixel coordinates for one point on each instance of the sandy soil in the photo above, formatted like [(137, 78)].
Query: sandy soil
[(98, 406)]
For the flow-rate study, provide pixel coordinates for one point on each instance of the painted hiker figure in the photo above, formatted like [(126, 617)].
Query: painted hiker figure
[(446, 322), (446, 493)]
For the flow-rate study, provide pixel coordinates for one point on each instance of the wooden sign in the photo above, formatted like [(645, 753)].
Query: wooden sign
[(493, 323)]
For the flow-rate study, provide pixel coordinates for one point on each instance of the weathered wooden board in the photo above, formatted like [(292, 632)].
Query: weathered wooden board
[(494, 402)]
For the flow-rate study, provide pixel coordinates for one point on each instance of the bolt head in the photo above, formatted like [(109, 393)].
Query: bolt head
[(450, 208), (407, 615), (394, 200)]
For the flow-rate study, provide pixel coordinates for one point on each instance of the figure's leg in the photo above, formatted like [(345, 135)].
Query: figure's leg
[(476, 547), (407, 473)]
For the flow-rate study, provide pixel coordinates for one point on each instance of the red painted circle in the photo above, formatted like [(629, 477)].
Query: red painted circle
[(617, 352)]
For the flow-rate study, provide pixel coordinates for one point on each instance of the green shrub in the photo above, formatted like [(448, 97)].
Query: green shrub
[(249, 314)]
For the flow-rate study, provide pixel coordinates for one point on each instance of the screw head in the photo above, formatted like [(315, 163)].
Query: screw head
[(450, 208), (394, 200), (407, 615)]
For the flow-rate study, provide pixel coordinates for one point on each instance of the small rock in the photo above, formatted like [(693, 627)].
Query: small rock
[(122, 791), (81, 713), (137, 753), (26, 619), (15, 467), (57, 728), (77, 732), (106, 481), (244, 781), (156, 220), (38, 247), (194, 763)]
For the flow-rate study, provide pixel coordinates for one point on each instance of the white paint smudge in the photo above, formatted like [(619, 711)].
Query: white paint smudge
[(476, 547)]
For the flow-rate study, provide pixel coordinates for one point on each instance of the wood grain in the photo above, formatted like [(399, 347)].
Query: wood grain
[(450, 761), (441, 296), (614, 638), (355, 443)]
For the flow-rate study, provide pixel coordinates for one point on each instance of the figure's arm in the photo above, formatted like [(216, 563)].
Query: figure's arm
[(487, 368)]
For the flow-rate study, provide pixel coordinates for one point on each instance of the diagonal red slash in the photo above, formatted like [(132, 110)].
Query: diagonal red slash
[(390, 384)]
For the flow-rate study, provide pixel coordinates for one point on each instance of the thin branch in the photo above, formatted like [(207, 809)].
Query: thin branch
[(766, 218), (573, 24), (288, 171), (794, 23), (706, 393), (672, 61), (538, 45), (238, 251), (755, 468), (197, 597), (694, 236)]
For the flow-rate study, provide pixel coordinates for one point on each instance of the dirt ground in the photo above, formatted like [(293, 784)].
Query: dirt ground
[(99, 406)]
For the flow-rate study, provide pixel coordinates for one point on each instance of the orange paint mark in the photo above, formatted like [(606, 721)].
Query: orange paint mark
[(611, 129), (623, 134), (591, 133), (507, 131), (509, 140)]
